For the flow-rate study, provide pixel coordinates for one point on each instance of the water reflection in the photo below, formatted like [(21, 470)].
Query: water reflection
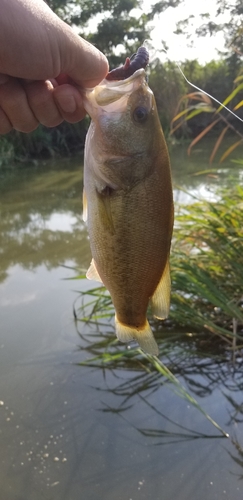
[(193, 177), (107, 421), (41, 217), (41, 211)]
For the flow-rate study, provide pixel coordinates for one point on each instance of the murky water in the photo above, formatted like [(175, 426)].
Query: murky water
[(58, 439)]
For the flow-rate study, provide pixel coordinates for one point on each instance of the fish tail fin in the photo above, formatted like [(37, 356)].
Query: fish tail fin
[(143, 336)]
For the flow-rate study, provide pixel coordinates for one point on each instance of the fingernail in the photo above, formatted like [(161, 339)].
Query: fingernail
[(67, 103)]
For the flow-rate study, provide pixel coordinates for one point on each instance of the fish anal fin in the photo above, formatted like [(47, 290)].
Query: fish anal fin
[(160, 301), (143, 336), (92, 273), (85, 207)]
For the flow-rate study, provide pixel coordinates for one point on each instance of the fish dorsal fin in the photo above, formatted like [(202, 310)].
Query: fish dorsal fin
[(85, 207), (143, 336), (92, 273), (160, 301)]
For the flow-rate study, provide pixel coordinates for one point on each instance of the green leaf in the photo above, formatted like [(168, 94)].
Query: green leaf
[(230, 97)]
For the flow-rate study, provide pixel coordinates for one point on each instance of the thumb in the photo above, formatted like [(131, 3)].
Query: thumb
[(80, 60)]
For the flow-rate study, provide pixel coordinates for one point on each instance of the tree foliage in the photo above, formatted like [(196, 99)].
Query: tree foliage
[(232, 29), (116, 27), (169, 85)]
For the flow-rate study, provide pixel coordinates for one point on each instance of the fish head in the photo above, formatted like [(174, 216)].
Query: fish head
[(125, 137), (124, 115)]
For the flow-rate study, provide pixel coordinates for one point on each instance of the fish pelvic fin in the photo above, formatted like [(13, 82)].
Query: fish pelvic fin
[(160, 301), (92, 273), (143, 336)]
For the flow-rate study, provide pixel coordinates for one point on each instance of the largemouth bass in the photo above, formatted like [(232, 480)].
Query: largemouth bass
[(128, 204)]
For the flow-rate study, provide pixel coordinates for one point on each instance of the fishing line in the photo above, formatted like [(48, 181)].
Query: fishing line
[(147, 44), (209, 95)]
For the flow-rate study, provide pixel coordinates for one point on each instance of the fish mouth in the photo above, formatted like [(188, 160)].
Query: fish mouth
[(119, 83), (112, 95), (112, 90)]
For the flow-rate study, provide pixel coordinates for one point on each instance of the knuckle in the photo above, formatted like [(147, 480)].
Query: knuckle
[(26, 127), (42, 103), (50, 121), (5, 130), (5, 124), (38, 94), (75, 117), (15, 106), (11, 96)]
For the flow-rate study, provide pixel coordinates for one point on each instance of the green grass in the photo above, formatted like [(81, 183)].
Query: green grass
[(207, 268)]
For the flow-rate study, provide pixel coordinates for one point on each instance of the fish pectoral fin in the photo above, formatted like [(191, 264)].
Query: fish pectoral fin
[(143, 336), (160, 301), (92, 273), (85, 207), (105, 211)]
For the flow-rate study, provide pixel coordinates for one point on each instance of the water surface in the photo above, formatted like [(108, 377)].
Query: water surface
[(61, 436)]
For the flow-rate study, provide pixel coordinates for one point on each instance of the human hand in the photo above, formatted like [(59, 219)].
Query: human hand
[(43, 65)]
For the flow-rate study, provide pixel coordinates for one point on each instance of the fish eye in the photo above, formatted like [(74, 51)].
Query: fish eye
[(140, 114)]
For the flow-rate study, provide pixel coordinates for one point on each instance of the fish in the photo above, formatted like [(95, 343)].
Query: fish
[(128, 203)]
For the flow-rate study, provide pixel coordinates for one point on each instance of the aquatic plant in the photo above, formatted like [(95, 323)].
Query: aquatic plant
[(205, 326), (207, 267), (206, 271), (193, 104)]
